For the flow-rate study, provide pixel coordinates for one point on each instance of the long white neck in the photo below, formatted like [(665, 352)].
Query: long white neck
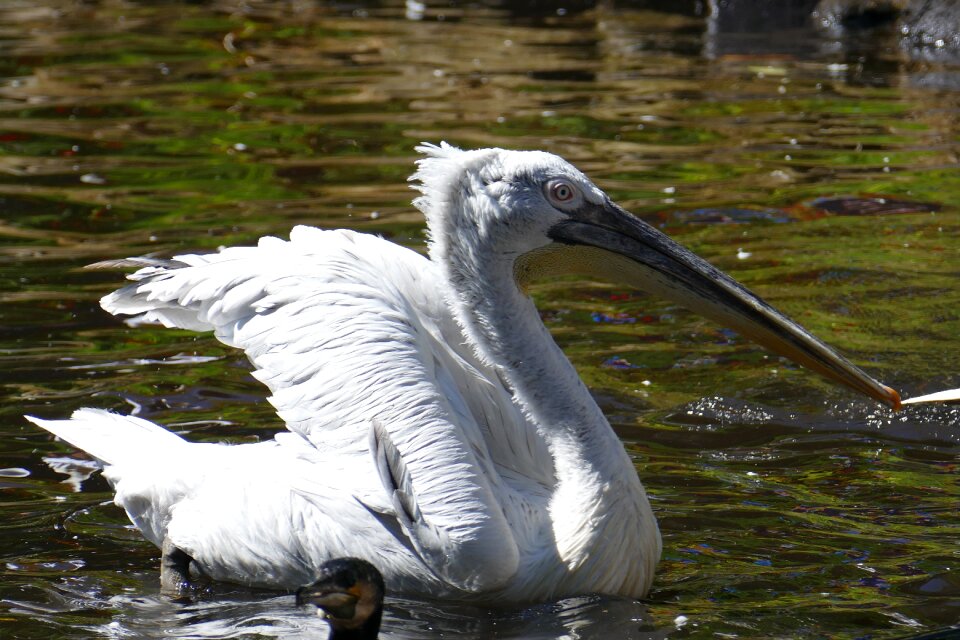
[(506, 326), (598, 496)]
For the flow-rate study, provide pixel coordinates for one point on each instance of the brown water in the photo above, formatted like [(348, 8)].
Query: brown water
[(821, 171)]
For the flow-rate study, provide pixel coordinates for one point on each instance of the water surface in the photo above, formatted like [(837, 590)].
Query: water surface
[(821, 170)]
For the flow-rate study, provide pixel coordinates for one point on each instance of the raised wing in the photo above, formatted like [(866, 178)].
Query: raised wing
[(348, 330)]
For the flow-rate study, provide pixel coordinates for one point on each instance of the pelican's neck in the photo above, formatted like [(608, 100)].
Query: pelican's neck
[(508, 333), (597, 496)]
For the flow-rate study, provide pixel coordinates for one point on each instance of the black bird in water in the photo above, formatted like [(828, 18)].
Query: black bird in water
[(349, 593)]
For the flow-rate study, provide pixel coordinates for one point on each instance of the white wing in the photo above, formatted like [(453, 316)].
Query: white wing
[(347, 331)]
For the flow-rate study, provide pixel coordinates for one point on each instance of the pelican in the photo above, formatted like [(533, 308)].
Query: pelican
[(434, 428)]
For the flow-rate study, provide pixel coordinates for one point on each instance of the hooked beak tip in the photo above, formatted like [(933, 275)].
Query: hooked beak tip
[(893, 398)]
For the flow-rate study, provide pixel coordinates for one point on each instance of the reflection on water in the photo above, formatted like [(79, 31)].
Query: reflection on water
[(817, 166), (142, 612)]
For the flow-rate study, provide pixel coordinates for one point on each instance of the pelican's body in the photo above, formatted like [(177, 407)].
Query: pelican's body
[(435, 428)]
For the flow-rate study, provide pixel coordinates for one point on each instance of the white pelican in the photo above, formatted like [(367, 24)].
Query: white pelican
[(434, 427)]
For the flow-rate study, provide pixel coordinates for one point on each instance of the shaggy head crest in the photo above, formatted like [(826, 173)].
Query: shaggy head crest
[(489, 199), (445, 177), (435, 172), (439, 171)]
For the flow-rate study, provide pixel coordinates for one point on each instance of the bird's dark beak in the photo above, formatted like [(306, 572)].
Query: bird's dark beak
[(335, 601), (634, 252)]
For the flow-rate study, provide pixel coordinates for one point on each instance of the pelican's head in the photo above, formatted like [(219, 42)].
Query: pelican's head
[(536, 214), (349, 594)]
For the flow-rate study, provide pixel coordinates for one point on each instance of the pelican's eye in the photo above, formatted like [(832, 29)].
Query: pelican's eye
[(561, 192)]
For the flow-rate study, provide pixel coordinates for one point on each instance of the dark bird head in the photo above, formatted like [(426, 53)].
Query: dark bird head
[(349, 594)]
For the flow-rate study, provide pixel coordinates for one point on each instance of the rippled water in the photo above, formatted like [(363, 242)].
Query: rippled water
[(820, 169)]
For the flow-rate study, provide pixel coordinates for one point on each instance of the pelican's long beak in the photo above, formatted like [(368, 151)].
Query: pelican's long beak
[(635, 252)]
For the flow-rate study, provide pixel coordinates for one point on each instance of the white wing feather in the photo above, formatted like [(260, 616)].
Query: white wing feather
[(346, 329)]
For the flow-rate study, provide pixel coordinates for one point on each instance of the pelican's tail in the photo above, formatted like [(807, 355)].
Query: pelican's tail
[(110, 437)]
